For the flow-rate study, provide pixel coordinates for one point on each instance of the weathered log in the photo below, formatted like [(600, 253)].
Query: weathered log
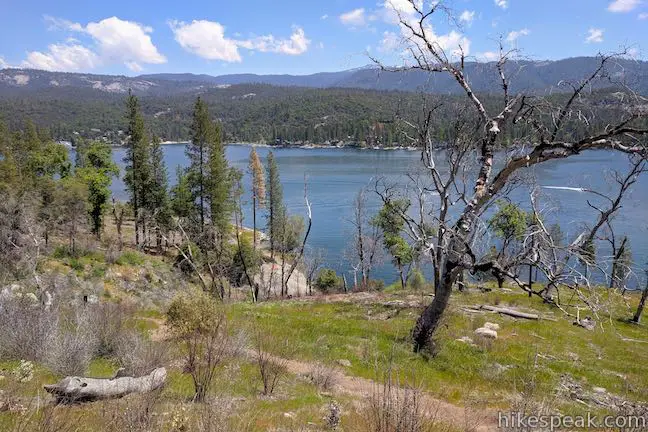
[(510, 312), (80, 389)]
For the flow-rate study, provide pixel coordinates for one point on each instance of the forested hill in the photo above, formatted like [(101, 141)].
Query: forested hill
[(534, 76), (357, 107)]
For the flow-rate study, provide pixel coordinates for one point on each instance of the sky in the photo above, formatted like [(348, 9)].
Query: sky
[(216, 37)]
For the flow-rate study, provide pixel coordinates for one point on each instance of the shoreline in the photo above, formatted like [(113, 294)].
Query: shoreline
[(304, 146)]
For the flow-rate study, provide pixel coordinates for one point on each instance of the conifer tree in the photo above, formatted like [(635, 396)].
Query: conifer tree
[(198, 153), (182, 203), (276, 209), (157, 198), (137, 161), (96, 173), (219, 183), (258, 189)]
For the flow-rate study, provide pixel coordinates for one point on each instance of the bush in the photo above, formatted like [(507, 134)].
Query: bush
[(271, 369), (139, 355), (328, 280), (416, 280), (74, 345), (200, 325), (191, 251), (25, 328), (130, 258)]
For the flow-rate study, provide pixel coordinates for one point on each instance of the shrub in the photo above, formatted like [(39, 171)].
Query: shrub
[(190, 253), (139, 355), (200, 325), (392, 408), (323, 377), (271, 368), (416, 280), (328, 280), (25, 328), (130, 258), (71, 349)]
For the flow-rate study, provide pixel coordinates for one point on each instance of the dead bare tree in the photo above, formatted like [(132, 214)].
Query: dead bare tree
[(542, 129), (366, 249)]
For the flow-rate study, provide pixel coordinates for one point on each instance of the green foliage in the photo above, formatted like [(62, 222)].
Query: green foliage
[(130, 258), (509, 222), (276, 208), (156, 200), (416, 280), (193, 312), (245, 257), (189, 253), (138, 170), (182, 202), (328, 280), (390, 221), (96, 171)]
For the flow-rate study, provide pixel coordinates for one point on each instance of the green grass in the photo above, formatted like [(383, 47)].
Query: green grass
[(131, 258), (332, 331)]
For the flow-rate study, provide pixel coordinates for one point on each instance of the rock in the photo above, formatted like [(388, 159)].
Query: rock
[(344, 362), (486, 333), (573, 356), (465, 339), (93, 299), (599, 390), (587, 323), (491, 326), (289, 414)]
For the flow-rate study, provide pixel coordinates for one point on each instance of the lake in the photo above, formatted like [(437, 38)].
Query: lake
[(334, 177)]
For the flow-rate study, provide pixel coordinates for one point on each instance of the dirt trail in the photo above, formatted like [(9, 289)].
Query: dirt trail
[(465, 419)]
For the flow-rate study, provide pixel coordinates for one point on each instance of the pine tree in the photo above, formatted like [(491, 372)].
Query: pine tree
[(157, 197), (198, 154), (276, 209), (182, 203), (258, 189), (137, 161), (96, 173), (219, 183)]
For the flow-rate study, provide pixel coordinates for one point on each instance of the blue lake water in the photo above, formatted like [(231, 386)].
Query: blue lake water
[(334, 177)]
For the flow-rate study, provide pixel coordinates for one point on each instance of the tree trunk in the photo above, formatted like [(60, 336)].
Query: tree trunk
[(402, 276), (431, 316), (642, 303), (254, 233), (79, 389)]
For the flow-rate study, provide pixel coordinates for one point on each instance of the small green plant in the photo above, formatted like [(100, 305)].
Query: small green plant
[(328, 280), (416, 280), (199, 323), (130, 258)]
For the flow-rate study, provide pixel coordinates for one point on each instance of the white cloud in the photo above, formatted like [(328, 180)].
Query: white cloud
[(390, 42), (514, 35), (354, 18), (124, 41), (488, 56), (643, 16), (467, 17), (623, 5), (502, 3), (3, 63), (633, 53), (325, 16), (115, 41), (62, 57), (206, 39), (296, 45), (594, 35)]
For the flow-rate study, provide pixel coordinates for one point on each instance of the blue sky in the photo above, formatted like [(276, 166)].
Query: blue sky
[(296, 36)]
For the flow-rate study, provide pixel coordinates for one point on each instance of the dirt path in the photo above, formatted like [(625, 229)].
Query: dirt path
[(465, 419)]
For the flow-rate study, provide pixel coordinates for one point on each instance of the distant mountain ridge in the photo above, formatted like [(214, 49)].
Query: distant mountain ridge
[(534, 76)]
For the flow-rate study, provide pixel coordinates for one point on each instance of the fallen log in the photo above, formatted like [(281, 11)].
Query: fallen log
[(510, 312), (79, 389)]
